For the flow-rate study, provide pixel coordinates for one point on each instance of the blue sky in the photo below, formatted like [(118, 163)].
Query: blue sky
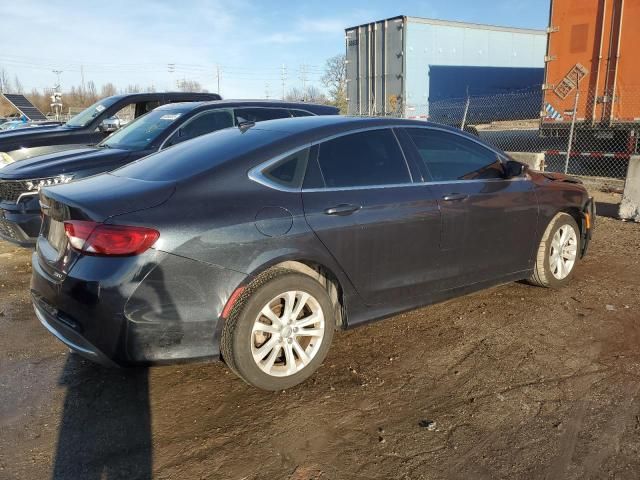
[(132, 42)]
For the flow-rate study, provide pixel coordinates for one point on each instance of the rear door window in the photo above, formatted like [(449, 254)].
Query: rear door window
[(362, 159), (300, 113), (448, 156), (259, 114), (201, 124)]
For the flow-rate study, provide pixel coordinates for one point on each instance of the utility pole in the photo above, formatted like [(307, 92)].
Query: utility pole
[(57, 73), (171, 68), (218, 77), (56, 98), (267, 91), (283, 78), (83, 91), (303, 78)]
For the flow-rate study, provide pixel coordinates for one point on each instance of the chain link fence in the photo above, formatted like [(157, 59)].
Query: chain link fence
[(596, 141)]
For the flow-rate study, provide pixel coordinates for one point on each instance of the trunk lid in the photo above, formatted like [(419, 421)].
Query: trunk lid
[(97, 199)]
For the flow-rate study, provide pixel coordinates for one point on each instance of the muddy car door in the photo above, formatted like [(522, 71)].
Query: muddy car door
[(489, 221), (382, 228)]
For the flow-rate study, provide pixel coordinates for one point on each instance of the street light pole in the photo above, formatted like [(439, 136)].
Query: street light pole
[(573, 123)]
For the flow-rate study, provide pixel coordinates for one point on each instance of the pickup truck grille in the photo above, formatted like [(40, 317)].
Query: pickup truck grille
[(10, 190)]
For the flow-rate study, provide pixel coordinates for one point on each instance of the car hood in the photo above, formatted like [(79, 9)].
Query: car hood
[(70, 160), (29, 132), (24, 153)]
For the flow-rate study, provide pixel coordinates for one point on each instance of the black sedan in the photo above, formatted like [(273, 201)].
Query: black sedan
[(23, 172), (254, 244)]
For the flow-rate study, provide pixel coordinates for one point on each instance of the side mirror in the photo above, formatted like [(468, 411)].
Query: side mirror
[(514, 169)]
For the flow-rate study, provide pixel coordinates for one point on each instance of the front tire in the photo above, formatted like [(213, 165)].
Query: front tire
[(279, 331), (558, 253)]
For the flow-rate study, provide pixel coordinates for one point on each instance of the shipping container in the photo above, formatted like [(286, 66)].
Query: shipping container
[(402, 65), (590, 56)]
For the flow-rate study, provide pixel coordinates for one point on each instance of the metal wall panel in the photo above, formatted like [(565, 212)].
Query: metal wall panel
[(388, 61), (375, 65), (451, 44)]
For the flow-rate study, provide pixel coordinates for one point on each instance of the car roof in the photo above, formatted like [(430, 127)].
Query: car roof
[(322, 126), (189, 106), (151, 96)]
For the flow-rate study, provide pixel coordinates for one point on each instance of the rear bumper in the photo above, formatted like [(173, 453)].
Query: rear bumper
[(153, 308), (67, 334)]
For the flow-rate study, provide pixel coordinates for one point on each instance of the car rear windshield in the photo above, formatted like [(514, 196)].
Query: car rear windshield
[(199, 155), (140, 133), (85, 117)]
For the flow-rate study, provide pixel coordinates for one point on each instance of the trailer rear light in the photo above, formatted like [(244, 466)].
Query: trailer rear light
[(98, 239)]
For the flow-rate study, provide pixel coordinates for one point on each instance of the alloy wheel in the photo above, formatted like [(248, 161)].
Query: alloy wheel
[(287, 333), (563, 253)]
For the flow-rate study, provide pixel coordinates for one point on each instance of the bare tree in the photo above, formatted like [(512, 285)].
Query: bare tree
[(92, 92), (335, 79), (312, 94), (315, 95), (132, 88), (5, 83), (185, 85), (18, 88), (108, 90)]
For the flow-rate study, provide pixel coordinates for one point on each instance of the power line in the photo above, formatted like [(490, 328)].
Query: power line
[(283, 79), (303, 78)]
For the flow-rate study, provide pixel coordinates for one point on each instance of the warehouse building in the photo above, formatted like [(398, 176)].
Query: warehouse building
[(400, 65)]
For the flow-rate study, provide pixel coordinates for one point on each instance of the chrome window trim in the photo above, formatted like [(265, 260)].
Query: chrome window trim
[(26, 194), (311, 114), (256, 175), (414, 184)]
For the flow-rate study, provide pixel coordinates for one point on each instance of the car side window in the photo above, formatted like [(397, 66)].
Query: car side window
[(361, 159), (289, 172), (449, 157), (300, 113), (204, 123), (259, 114)]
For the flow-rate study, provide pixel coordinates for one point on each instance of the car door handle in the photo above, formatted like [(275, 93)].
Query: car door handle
[(454, 197), (343, 209)]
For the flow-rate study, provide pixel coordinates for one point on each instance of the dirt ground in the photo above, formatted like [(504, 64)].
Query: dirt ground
[(516, 382)]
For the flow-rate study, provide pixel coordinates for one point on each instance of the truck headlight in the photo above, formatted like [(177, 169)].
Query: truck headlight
[(36, 185)]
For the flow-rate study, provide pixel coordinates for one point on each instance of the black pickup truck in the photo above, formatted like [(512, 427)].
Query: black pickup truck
[(84, 128)]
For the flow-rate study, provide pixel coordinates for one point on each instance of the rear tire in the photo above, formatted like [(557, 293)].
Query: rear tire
[(558, 253), (279, 331)]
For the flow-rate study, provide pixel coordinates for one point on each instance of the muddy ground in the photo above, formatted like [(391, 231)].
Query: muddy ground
[(515, 382)]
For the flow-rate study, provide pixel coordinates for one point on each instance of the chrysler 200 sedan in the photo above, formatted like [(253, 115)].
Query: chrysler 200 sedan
[(254, 244), (25, 171)]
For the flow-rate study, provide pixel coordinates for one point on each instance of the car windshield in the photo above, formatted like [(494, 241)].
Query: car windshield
[(142, 131), (85, 117)]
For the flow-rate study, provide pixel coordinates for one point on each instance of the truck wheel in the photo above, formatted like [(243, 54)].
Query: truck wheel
[(279, 331), (558, 253)]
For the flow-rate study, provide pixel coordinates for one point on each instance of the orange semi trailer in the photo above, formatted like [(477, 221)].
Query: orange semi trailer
[(593, 48)]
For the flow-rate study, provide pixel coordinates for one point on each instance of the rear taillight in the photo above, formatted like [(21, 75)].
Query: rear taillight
[(93, 238)]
